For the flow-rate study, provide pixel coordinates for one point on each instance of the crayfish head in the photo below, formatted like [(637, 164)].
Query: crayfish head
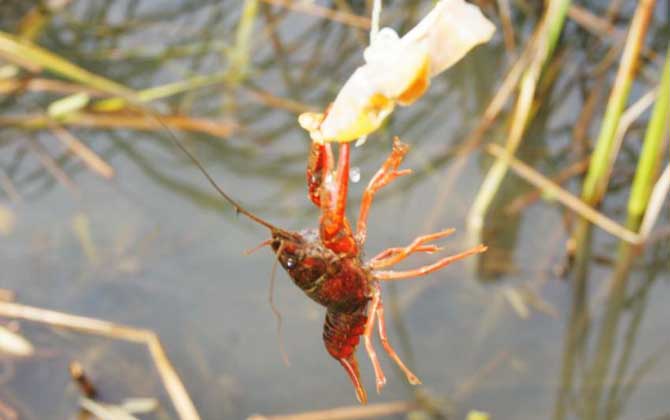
[(288, 247), (302, 256)]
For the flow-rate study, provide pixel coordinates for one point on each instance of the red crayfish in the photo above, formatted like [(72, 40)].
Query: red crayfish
[(326, 263)]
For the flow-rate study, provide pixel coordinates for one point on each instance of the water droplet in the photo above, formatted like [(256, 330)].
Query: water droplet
[(290, 263), (361, 141), (355, 174)]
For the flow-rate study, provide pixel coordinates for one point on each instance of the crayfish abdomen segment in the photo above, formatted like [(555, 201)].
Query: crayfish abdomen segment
[(341, 334), (342, 331)]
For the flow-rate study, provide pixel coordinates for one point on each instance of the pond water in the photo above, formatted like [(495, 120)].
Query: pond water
[(156, 248)]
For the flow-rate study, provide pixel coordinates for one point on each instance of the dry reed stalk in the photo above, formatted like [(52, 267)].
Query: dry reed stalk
[(350, 19), (602, 27), (36, 84), (565, 197), (35, 59), (523, 201), (19, 60), (627, 119), (508, 27), (175, 388), (273, 101), (348, 413), (595, 24), (126, 121)]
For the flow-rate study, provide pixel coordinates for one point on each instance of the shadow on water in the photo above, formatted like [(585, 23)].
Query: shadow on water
[(515, 333)]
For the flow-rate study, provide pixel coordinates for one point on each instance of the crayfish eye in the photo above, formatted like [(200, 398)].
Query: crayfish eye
[(290, 263)]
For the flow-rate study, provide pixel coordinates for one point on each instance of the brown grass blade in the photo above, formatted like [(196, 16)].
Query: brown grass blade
[(324, 12)]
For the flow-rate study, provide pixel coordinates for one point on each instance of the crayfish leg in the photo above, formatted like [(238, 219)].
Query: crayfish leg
[(381, 322), (380, 378), (393, 256), (387, 173), (422, 271), (350, 365)]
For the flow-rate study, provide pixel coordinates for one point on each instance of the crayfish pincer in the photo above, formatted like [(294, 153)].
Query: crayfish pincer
[(326, 263)]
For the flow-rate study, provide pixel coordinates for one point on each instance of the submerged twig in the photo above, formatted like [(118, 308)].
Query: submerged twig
[(81, 379), (50, 164), (467, 387), (91, 159)]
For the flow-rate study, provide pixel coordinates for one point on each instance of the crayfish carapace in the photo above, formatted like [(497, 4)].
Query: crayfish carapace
[(327, 265)]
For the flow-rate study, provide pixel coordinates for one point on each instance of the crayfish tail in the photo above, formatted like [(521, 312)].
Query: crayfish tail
[(350, 365)]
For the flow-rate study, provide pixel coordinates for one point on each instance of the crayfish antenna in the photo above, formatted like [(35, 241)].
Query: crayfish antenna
[(237, 206), (274, 308), (259, 246)]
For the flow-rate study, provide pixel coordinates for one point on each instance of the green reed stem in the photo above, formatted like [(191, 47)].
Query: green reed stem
[(593, 190), (652, 151), (597, 177), (239, 56), (599, 171)]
